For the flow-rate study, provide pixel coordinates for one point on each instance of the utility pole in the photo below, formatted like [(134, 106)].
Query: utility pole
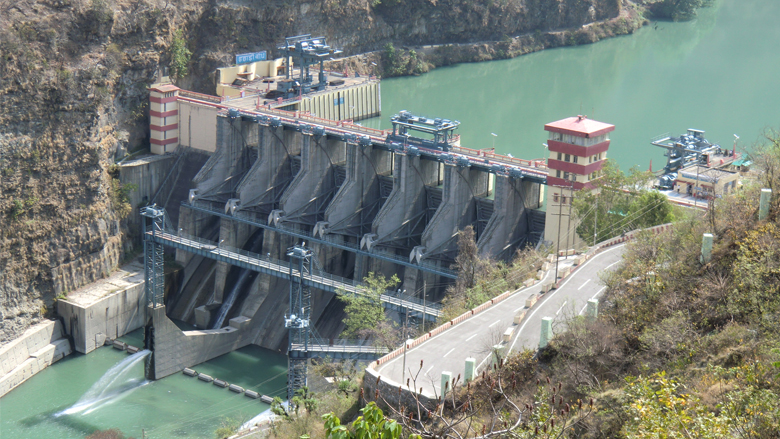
[(558, 237), (596, 221), (696, 187), (568, 226)]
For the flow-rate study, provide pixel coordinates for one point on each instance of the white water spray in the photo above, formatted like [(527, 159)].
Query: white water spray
[(114, 385)]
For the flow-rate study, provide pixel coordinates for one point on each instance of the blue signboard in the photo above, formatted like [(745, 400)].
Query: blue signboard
[(246, 58)]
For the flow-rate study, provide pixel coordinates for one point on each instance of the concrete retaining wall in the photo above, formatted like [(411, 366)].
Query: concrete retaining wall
[(174, 349), (111, 316), (147, 174), (40, 346)]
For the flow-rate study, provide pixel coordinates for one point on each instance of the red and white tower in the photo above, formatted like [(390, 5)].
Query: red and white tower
[(163, 117), (578, 147)]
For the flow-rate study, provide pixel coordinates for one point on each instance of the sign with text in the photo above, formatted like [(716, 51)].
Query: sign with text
[(246, 58)]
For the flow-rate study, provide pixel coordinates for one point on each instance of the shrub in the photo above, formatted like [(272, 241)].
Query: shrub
[(180, 55)]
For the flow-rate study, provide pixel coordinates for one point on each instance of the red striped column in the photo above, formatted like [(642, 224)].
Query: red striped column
[(163, 118)]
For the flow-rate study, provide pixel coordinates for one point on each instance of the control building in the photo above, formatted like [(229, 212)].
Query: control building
[(578, 147)]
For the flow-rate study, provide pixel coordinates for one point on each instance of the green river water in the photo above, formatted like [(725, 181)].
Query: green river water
[(718, 73), (174, 407)]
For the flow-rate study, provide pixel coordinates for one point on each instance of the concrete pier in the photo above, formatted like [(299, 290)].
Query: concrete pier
[(399, 225), (456, 211), (235, 153), (322, 173), (511, 221), (264, 184)]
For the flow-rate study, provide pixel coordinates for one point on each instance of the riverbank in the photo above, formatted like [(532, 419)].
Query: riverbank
[(415, 60)]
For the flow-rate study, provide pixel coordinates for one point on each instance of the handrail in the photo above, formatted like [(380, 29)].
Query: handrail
[(533, 166), (349, 286), (196, 95)]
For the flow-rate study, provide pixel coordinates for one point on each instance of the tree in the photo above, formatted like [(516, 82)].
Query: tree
[(302, 398), (180, 55), (228, 427), (467, 262), (365, 314), (620, 203), (677, 10)]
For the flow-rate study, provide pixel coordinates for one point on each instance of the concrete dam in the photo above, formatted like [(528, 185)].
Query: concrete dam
[(252, 183), (360, 208)]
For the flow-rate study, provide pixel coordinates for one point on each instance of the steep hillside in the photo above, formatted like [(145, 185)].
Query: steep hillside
[(73, 78)]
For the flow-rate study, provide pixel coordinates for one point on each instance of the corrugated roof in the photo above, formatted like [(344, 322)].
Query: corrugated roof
[(579, 126)]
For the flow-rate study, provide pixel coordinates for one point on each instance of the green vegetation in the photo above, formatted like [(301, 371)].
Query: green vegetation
[(372, 424), (399, 62), (180, 55), (678, 10), (365, 314), (302, 399), (228, 427), (305, 418), (481, 279), (120, 197), (620, 203)]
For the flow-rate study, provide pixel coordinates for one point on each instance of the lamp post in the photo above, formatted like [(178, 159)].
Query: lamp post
[(494, 140), (425, 284)]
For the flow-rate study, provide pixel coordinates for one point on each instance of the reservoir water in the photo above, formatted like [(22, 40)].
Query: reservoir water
[(717, 73)]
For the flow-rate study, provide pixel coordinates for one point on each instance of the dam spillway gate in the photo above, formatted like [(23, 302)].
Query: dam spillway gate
[(362, 201)]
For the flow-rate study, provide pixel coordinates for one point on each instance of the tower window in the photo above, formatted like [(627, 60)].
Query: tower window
[(568, 157), (559, 156), (575, 159)]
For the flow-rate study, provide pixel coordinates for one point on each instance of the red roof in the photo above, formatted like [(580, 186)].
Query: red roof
[(163, 88), (579, 126)]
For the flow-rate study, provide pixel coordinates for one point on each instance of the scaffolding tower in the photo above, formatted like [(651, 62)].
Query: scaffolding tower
[(154, 267), (298, 319)]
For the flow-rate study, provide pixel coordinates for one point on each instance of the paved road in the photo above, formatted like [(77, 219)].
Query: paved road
[(475, 336), (568, 300)]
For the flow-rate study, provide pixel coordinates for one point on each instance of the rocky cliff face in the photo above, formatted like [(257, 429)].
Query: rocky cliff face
[(73, 78)]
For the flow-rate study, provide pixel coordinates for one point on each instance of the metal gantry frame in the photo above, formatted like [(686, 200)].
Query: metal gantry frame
[(298, 321), (154, 265)]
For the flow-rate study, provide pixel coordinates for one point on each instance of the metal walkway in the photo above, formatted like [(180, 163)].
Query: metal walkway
[(246, 218), (337, 351), (274, 267)]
